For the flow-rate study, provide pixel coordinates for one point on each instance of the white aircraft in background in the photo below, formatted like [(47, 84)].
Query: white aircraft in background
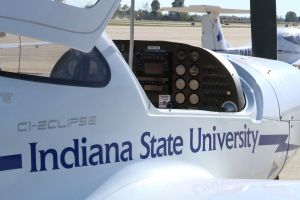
[(183, 123), (288, 39)]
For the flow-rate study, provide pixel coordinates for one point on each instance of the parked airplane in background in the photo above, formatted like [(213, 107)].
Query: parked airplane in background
[(178, 125), (213, 37)]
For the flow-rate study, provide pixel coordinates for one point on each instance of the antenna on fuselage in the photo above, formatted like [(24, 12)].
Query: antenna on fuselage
[(131, 46)]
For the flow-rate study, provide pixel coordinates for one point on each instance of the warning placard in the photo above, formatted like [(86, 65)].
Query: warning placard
[(164, 100)]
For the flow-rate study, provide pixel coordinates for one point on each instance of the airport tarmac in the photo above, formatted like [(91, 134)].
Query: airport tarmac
[(192, 35), (188, 35)]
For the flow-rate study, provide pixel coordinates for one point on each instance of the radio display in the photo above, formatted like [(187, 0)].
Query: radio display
[(154, 68)]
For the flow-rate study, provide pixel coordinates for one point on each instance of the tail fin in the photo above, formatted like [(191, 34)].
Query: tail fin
[(212, 34)]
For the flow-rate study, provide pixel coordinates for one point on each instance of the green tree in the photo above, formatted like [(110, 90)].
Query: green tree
[(155, 6), (280, 18), (122, 12), (124, 8), (143, 13), (146, 7), (291, 17), (176, 15), (116, 15), (178, 3)]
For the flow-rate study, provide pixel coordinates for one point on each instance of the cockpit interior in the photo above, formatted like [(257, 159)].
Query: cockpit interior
[(173, 75), (179, 76)]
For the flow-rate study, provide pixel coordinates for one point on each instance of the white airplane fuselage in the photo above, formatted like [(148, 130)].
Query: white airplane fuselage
[(288, 49), (94, 128), (117, 129), (288, 42)]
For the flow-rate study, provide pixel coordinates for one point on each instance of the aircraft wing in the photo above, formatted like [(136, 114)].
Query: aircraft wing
[(30, 44), (181, 181), (205, 9), (183, 9), (192, 188)]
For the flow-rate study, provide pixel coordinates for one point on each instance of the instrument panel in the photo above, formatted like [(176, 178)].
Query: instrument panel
[(179, 76)]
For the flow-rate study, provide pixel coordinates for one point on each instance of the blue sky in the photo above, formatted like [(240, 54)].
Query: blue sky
[(283, 6)]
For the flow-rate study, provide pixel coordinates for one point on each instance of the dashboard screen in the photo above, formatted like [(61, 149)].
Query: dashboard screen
[(154, 68)]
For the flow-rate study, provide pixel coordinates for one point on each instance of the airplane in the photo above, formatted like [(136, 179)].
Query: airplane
[(184, 123), (288, 39)]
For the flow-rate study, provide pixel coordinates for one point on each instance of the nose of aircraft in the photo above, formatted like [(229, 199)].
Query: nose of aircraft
[(285, 80), (280, 97)]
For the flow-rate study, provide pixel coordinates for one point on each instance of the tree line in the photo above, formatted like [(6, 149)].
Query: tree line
[(291, 17), (152, 12)]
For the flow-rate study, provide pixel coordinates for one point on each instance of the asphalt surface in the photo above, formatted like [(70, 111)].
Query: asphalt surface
[(188, 35)]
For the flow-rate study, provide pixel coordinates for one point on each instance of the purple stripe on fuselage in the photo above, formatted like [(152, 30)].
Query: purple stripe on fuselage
[(10, 162)]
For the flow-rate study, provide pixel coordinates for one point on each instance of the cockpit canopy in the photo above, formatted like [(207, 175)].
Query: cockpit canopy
[(76, 24)]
